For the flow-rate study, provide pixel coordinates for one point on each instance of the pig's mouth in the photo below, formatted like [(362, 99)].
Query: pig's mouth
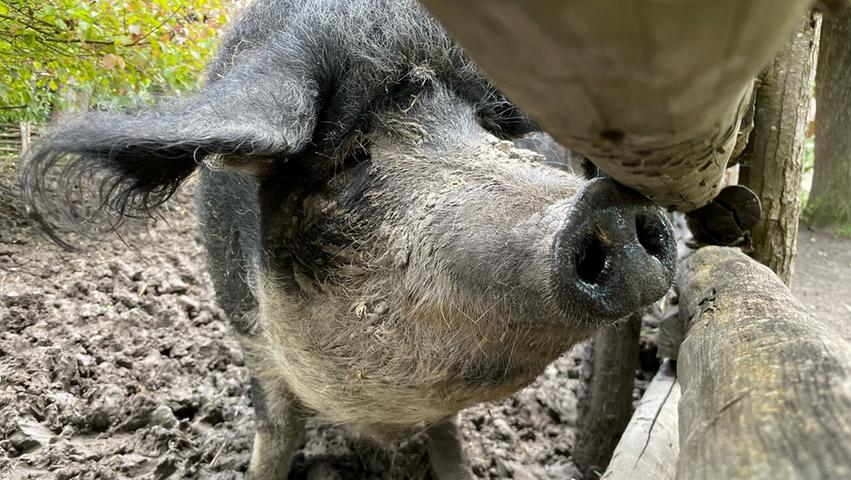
[(614, 253)]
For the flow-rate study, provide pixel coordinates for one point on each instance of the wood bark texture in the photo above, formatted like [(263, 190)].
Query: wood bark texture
[(766, 388), (829, 204), (772, 165), (608, 406), (26, 135), (653, 92), (649, 446), (670, 335)]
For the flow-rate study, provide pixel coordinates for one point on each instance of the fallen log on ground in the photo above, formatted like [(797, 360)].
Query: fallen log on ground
[(766, 389), (649, 446)]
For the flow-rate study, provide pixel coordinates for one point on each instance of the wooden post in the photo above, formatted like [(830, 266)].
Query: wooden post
[(649, 446), (772, 165), (829, 205), (26, 136), (653, 92), (766, 388), (608, 405)]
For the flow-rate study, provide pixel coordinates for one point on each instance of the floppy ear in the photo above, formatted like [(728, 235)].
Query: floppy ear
[(134, 162)]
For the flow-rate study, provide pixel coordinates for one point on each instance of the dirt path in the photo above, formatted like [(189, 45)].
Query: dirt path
[(822, 278), (116, 363)]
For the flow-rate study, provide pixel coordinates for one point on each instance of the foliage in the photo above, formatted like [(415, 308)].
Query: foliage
[(60, 54), (809, 154), (808, 165)]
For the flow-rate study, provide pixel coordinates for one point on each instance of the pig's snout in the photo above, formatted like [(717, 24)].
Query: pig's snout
[(615, 252)]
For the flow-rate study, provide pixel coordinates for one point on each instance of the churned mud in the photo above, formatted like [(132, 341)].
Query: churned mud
[(115, 362)]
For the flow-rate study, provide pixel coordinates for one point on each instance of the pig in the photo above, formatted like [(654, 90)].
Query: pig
[(386, 256)]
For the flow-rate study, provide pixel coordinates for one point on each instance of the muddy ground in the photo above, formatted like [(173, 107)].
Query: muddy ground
[(115, 362)]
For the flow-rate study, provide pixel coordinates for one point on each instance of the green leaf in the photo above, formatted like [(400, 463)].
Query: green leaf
[(107, 51)]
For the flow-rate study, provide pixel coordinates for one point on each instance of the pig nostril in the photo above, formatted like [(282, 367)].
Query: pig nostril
[(591, 260), (650, 233)]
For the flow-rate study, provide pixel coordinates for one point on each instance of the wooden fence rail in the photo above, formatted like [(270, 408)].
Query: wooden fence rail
[(15, 139), (766, 388), (650, 444)]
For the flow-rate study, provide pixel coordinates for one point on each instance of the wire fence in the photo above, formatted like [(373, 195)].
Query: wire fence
[(15, 138)]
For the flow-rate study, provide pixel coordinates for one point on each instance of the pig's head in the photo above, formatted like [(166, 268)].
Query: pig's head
[(395, 246)]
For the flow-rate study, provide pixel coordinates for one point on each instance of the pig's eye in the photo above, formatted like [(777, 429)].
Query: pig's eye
[(405, 94)]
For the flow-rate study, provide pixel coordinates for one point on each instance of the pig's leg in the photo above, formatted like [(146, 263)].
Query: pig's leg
[(280, 430), (446, 451)]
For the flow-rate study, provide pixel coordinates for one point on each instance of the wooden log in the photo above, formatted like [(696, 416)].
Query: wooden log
[(772, 164), (766, 388), (652, 91), (649, 446), (829, 204), (670, 335), (26, 136), (608, 405)]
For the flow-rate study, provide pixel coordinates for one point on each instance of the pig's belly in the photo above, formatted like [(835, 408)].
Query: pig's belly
[(381, 399), (391, 376)]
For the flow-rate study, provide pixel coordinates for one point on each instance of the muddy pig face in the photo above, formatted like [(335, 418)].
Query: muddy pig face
[(448, 254), (387, 246)]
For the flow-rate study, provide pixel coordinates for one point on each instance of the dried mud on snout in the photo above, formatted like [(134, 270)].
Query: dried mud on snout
[(115, 362)]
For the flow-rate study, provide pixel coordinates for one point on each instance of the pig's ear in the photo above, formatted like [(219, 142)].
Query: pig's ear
[(134, 162)]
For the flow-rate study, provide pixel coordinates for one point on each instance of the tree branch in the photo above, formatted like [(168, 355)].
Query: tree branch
[(143, 37)]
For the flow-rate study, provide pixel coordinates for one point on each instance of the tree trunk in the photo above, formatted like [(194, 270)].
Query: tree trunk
[(652, 91), (609, 399), (772, 165), (829, 204), (766, 387), (26, 136)]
